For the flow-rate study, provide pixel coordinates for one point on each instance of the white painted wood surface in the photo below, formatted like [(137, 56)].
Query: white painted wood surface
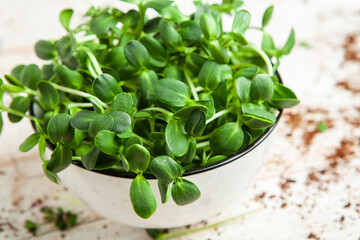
[(295, 197)]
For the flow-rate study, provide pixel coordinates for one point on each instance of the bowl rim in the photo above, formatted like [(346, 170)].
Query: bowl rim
[(130, 175)]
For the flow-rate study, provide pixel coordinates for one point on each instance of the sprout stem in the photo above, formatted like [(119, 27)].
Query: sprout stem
[(202, 144), (79, 93), (144, 140), (93, 60), (192, 87), (218, 114), (265, 57), (81, 105), (157, 109), (17, 113)]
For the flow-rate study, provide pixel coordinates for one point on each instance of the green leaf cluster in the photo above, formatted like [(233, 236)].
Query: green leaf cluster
[(146, 95)]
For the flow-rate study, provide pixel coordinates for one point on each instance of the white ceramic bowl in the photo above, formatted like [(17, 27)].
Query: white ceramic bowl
[(221, 183)]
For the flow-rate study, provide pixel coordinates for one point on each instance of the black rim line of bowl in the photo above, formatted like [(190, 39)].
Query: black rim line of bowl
[(115, 173)]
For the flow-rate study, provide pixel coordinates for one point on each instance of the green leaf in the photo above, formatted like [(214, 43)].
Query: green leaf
[(102, 23), (81, 120), (174, 71), (1, 123), (147, 80), (220, 95), (137, 54), (65, 48), (176, 139), (283, 97), (239, 38), (190, 30), (65, 17), (60, 159), (16, 71), (30, 76), (261, 88), (289, 43), (196, 123), (170, 37), (165, 191), (100, 122), (267, 16), (20, 104), (247, 72), (124, 162), (68, 78), (49, 95), (142, 197), (47, 71), (45, 50), (241, 22), (255, 116), (184, 192), (49, 174), (185, 112), (194, 63), (210, 75), (42, 147), (59, 128), (122, 121), (219, 53), (166, 169), (209, 26), (227, 139), (124, 103), (215, 159), (89, 160), (157, 52), (138, 157), (106, 161), (243, 89), (13, 80), (106, 87), (208, 101), (267, 43), (172, 92), (12, 88), (107, 142), (30, 142), (158, 5), (190, 154), (173, 13)]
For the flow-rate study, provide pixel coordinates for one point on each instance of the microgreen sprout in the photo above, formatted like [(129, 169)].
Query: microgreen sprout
[(157, 96)]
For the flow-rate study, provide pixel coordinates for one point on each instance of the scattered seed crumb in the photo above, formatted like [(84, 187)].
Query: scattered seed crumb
[(347, 205), (283, 205)]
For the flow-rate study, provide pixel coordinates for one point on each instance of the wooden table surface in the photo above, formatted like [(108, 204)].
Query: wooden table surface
[(308, 189)]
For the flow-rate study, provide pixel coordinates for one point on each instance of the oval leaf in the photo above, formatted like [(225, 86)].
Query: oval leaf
[(49, 95), (30, 76), (45, 50), (261, 88), (166, 169), (21, 105), (184, 192), (210, 75), (107, 142), (81, 120), (106, 87), (138, 157), (122, 121), (172, 92), (227, 139), (30, 142), (89, 160), (59, 128), (241, 22), (100, 122), (176, 139), (142, 197), (137, 54), (60, 159)]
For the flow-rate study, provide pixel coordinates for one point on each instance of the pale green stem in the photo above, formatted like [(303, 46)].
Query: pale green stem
[(81, 39), (158, 110), (17, 113), (90, 68), (202, 144), (265, 57), (76, 158), (217, 115), (165, 236), (192, 87), (144, 140), (32, 92), (79, 93), (199, 89), (93, 59), (81, 105)]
